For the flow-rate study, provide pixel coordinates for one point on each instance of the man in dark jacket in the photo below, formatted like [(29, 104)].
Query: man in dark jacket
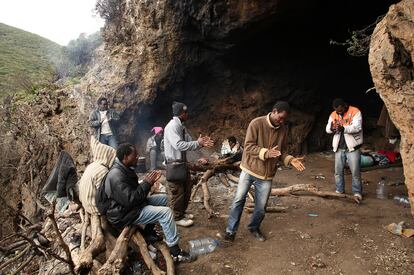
[(130, 203), (102, 121)]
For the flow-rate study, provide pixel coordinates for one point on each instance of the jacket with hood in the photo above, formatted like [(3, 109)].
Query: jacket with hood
[(352, 123), (103, 157), (127, 197)]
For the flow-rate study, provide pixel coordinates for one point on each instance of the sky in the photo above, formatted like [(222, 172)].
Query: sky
[(57, 20)]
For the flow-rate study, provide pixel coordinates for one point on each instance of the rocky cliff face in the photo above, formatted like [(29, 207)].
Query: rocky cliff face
[(230, 61), (391, 61)]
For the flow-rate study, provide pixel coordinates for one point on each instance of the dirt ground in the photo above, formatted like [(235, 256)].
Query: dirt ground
[(344, 238)]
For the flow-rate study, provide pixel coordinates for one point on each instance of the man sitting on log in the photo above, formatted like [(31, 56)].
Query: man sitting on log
[(231, 150), (264, 145), (128, 201)]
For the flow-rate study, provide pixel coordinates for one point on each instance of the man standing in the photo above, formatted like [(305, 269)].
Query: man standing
[(129, 202), (264, 145), (345, 122), (102, 121), (177, 142)]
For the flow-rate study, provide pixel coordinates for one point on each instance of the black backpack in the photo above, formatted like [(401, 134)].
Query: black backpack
[(103, 201)]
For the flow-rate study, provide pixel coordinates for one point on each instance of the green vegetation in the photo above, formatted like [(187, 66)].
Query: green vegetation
[(24, 58), (29, 62)]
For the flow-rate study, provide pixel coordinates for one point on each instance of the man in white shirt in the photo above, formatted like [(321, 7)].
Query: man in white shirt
[(177, 142), (102, 121)]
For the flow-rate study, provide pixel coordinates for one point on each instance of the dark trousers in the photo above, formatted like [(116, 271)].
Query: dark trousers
[(179, 194)]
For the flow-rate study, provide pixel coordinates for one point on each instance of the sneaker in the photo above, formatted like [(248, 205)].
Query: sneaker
[(357, 197), (229, 236), (339, 192), (179, 256), (258, 235), (189, 216), (184, 222)]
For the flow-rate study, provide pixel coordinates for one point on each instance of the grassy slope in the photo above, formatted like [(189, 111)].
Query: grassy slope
[(23, 55)]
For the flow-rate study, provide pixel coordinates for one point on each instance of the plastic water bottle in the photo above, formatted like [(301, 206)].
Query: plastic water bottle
[(403, 200), (202, 246), (381, 190)]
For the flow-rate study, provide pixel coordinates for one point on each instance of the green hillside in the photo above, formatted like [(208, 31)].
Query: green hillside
[(24, 56)]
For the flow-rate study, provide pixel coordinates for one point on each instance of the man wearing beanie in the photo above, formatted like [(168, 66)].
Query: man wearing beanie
[(176, 144)]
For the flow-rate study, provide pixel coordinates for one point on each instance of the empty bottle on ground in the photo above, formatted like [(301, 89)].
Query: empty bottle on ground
[(382, 189), (403, 200), (202, 246)]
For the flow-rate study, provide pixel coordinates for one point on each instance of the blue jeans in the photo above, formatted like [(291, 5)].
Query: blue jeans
[(158, 211), (262, 192), (109, 140), (354, 163)]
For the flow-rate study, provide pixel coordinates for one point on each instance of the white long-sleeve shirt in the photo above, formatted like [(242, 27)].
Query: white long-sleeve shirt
[(174, 143)]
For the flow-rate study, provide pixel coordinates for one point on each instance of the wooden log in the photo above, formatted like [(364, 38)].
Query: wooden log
[(165, 251), (15, 258), (24, 264), (115, 262), (269, 209), (217, 167), (85, 223), (232, 178), (309, 189), (223, 180), (143, 249), (96, 246), (69, 261)]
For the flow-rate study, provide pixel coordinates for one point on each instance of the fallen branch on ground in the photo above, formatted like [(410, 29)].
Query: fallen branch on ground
[(139, 241), (308, 188)]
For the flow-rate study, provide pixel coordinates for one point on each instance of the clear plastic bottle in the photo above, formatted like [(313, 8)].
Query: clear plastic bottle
[(202, 246), (403, 200), (382, 192)]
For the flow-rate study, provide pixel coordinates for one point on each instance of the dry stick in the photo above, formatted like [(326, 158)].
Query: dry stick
[(17, 271), (206, 193), (18, 256), (85, 224), (142, 245), (309, 188), (270, 209), (165, 251), (8, 237), (250, 194), (232, 178), (116, 260), (96, 246), (65, 247), (13, 246), (224, 180), (195, 189)]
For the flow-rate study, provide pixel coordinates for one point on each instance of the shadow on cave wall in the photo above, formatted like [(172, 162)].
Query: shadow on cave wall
[(286, 57)]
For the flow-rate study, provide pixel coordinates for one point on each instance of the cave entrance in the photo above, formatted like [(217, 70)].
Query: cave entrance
[(286, 57)]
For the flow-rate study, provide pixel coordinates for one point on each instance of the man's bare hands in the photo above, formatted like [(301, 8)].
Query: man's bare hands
[(297, 163), (152, 177), (273, 153), (205, 141)]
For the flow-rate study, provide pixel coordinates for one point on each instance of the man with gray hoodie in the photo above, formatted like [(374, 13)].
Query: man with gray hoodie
[(177, 141)]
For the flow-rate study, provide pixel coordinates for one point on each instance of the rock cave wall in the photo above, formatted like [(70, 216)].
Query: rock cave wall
[(391, 61), (230, 61)]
